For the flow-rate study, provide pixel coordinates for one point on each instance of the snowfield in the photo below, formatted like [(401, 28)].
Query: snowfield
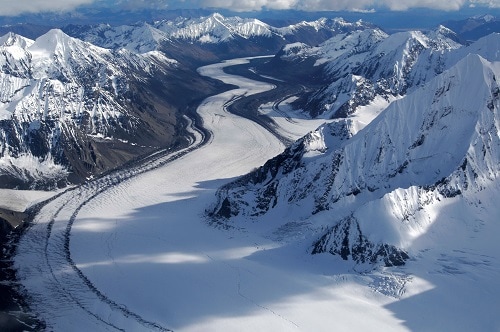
[(135, 252)]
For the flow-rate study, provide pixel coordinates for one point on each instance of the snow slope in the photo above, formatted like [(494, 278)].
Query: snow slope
[(20, 200)]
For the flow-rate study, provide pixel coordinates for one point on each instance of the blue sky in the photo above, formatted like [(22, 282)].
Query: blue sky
[(11, 8)]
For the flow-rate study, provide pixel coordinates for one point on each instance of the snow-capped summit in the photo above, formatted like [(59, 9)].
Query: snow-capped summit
[(56, 52), (12, 39), (349, 46), (54, 42), (444, 38), (440, 142)]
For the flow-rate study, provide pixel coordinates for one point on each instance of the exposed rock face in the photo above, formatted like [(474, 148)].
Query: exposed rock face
[(348, 241)]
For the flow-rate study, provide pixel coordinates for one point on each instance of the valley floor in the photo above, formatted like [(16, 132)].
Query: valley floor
[(141, 255)]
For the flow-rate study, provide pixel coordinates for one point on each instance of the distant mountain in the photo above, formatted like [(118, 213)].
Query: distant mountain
[(210, 38), (70, 110), (368, 192), (101, 12), (474, 28)]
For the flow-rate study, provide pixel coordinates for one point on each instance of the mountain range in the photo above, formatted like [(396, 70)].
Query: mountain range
[(210, 38), (415, 128)]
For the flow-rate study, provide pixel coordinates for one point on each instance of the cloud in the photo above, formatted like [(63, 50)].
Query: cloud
[(250, 5), (333, 5), (399, 5), (138, 4), (488, 3), (16, 7)]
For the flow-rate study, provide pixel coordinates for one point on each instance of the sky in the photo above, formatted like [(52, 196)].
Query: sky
[(13, 8)]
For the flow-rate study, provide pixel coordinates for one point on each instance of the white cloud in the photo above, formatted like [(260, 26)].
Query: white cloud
[(489, 3), (16, 7), (240, 5), (432, 4), (324, 5)]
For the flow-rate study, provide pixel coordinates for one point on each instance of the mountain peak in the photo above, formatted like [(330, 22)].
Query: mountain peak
[(443, 38), (13, 39), (14, 57), (54, 41), (217, 16)]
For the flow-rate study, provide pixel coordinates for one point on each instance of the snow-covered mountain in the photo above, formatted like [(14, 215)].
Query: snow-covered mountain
[(401, 186), (359, 66), (369, 193), (220, 36), (69, 109), (217, 28)]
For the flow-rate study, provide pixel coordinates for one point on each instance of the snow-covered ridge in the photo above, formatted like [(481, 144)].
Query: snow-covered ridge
[(336, 24), (212, 29), (217, 27), (439, 142)]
